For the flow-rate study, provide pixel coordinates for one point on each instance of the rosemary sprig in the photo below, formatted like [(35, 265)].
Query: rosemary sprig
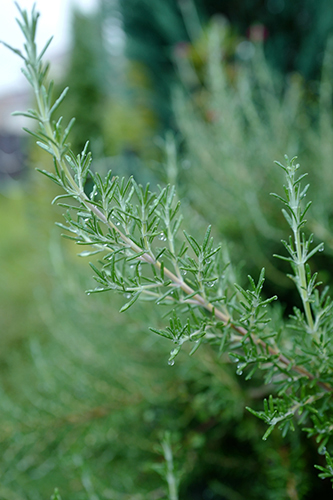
[(136, 232)]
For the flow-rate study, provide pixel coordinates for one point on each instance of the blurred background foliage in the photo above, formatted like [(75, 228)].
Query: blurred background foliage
[(86, 393)]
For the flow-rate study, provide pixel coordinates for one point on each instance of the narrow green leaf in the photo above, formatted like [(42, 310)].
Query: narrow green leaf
[(46, 46), (134, 298), (59, 100), (194, 245), (45, 147)]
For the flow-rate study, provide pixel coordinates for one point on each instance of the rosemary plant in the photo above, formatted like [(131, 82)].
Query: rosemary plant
[(234, 124), (144, 255)]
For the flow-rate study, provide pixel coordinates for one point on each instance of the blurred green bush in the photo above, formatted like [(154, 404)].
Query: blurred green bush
[(233, 125)]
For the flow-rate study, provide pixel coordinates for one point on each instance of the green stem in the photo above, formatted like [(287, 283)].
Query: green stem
[(170, 477), (303, 281)]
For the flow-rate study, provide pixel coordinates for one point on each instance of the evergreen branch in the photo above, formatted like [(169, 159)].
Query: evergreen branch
[(52, 138), (125, 221), (299, 248)]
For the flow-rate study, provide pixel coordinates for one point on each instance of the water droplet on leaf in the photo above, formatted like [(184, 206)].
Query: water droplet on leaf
[(210, 284), (239, 370), (171, 362)]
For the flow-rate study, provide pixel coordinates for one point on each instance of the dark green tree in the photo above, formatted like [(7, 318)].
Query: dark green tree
[(87, 76), (295, 34)]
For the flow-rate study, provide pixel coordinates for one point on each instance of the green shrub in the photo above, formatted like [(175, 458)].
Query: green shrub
[(132, 236)]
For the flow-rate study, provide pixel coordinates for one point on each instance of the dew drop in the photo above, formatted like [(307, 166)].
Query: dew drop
[(117, 223), (239, 370), (210, 284), (171, 362), (132, 266), (88, 293), (162, 237), (127, 295), (321, 249), (183, 272)]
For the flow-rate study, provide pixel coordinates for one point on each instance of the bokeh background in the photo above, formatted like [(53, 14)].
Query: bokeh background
[(205, 95)]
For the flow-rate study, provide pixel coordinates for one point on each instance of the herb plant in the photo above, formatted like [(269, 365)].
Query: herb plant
[(144, 255), (241, 117)]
